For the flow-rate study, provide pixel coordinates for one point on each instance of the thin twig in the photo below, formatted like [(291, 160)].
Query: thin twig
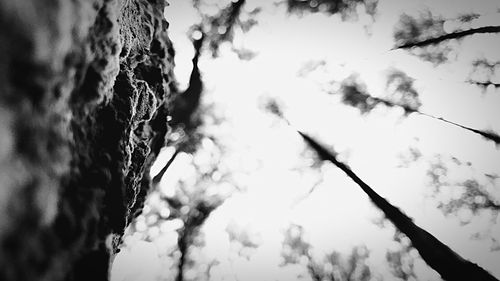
[(487, 135), (156, 179)]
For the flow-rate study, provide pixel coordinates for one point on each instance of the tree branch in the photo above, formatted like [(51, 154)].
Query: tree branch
[(484, 84), (453, 35), (156, 179)]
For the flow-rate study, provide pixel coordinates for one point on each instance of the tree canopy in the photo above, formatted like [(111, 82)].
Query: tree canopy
[(328, 140)]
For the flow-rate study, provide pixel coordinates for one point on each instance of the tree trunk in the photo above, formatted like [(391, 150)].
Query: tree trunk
[(84, 93)]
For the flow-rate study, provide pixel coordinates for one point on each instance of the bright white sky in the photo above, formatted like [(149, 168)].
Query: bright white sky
[(265, 153)]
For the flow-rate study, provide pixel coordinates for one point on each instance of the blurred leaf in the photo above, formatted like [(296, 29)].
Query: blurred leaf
[(346, 9)]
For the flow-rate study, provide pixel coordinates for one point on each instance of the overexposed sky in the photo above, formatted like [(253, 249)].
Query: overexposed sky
[(266, 154)]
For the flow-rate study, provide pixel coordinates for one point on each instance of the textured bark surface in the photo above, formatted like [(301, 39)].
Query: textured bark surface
[(84, 90)]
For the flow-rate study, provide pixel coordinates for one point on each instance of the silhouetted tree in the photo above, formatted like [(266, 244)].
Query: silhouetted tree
[(437, 255)]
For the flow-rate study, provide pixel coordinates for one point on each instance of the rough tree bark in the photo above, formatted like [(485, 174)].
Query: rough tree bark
[(449, 264), (84, 96)]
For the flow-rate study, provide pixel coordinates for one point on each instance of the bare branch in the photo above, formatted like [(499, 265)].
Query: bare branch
[(156, 180), (449, 36), (484, 84)]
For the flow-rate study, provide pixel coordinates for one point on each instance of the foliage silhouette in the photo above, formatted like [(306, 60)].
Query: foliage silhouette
[(347, 9), (400, 261), (483, 73), (219, 28), (471, 194), (332, 266)]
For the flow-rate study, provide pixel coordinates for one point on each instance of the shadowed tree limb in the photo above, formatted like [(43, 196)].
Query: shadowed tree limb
[(484, 84), (492, 136), (486, 134), (186, 103), (156, 180), (453, 35), (436, 254)]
